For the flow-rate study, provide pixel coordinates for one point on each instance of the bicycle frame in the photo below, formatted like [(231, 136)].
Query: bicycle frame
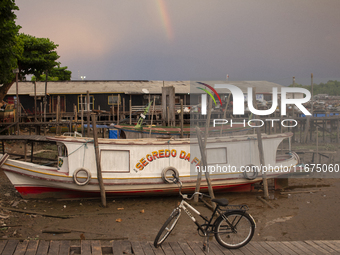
[(184, 205)]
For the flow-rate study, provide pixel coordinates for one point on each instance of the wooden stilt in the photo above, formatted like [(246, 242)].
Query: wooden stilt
[(99, 171), (204, 163), (261, 152)]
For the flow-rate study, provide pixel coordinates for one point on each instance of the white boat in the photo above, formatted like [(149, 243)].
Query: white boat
[(141, 166)]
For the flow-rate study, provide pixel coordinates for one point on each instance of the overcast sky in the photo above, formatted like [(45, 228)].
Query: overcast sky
[(190, 39)]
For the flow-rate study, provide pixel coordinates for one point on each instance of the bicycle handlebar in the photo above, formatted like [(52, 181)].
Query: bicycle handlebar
[(186, 196)]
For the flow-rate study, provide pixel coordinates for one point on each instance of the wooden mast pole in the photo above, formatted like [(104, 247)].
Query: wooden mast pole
[(261, 153), (99, 170)]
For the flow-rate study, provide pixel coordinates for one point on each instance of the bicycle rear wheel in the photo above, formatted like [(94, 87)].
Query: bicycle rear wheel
[(234, 229), (167, 227)]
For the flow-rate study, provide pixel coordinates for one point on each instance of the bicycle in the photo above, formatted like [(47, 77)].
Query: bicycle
[(233, 228)]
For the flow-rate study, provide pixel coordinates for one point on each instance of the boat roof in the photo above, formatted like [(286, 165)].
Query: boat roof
[(131, 87), (151, 141), (34, 138)]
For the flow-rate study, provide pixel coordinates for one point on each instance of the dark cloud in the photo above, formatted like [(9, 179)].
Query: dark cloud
[(193, 39)]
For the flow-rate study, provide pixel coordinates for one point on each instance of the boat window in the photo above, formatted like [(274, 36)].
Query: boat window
[(115, 161), (62, 150), (217, 155)]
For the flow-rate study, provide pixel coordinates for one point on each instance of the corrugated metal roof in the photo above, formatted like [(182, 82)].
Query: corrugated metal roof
[(130, 87)]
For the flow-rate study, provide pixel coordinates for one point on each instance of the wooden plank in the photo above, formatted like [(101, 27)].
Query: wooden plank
[(333, 246), (32, 247), (176, 248), (324, 246), (304, 247), (2, 245), (259, 249), (196, 247), (335, 242), (281, 248), (236, 252), (65, 247), (146, 248), (43, 247), (121, 247), (245, 249), (166, 249), (96, 247), (137, 248), (292, 247), (156, 250), (21, 248), (186, 248), (85, 247), (270, 249), (54, 248), (10, 247), (213, 247), (317, 247)]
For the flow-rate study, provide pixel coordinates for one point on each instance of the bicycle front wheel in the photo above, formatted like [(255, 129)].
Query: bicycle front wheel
[(234, 229), (167, 227)]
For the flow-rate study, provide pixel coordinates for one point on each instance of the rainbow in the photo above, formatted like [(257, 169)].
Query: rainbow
[(165, 19), (213, 90)]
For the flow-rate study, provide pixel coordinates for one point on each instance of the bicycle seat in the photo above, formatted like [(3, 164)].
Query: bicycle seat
[(221, 201)]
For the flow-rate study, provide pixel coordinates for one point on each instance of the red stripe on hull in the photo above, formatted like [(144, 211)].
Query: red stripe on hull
[(49, 192)]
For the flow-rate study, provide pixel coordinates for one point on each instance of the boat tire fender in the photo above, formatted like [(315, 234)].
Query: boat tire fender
[(250, 172), (88, 176), (167, 172)]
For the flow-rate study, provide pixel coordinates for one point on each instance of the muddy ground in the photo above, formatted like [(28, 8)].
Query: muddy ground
[(309, 211)]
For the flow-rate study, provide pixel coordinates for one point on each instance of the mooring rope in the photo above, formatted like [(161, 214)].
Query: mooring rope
[(85, 147)]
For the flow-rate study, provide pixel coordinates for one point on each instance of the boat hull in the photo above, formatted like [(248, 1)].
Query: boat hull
[(139, 167), (37, 184)]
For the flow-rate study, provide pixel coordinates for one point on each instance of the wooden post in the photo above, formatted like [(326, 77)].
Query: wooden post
[(88, 114), (118, 104), (202, 146), (82, 114), (32, 147), (168, 114), (25, 151), (225, 113), (261, 152), (124, 107), (153, 109), (337, 130), (57, 116), (75, 117), (323, 130), (99, 170), (149, 99), (182, 116), (317, 145), (305, 138), (130, 109), (35, 101), (113, 112), (41, 112), (45, 102), (312, 107), (203, 163), (207, 124)]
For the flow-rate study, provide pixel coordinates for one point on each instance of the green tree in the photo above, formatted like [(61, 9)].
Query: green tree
[(30, 54), (55, 74), (331, 88), (10, 48), (39, 55)]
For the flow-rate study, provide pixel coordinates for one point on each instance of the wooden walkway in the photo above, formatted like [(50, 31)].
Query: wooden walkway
[(96, 247)]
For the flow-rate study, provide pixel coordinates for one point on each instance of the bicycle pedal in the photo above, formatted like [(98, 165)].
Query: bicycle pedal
[(205, 247)]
